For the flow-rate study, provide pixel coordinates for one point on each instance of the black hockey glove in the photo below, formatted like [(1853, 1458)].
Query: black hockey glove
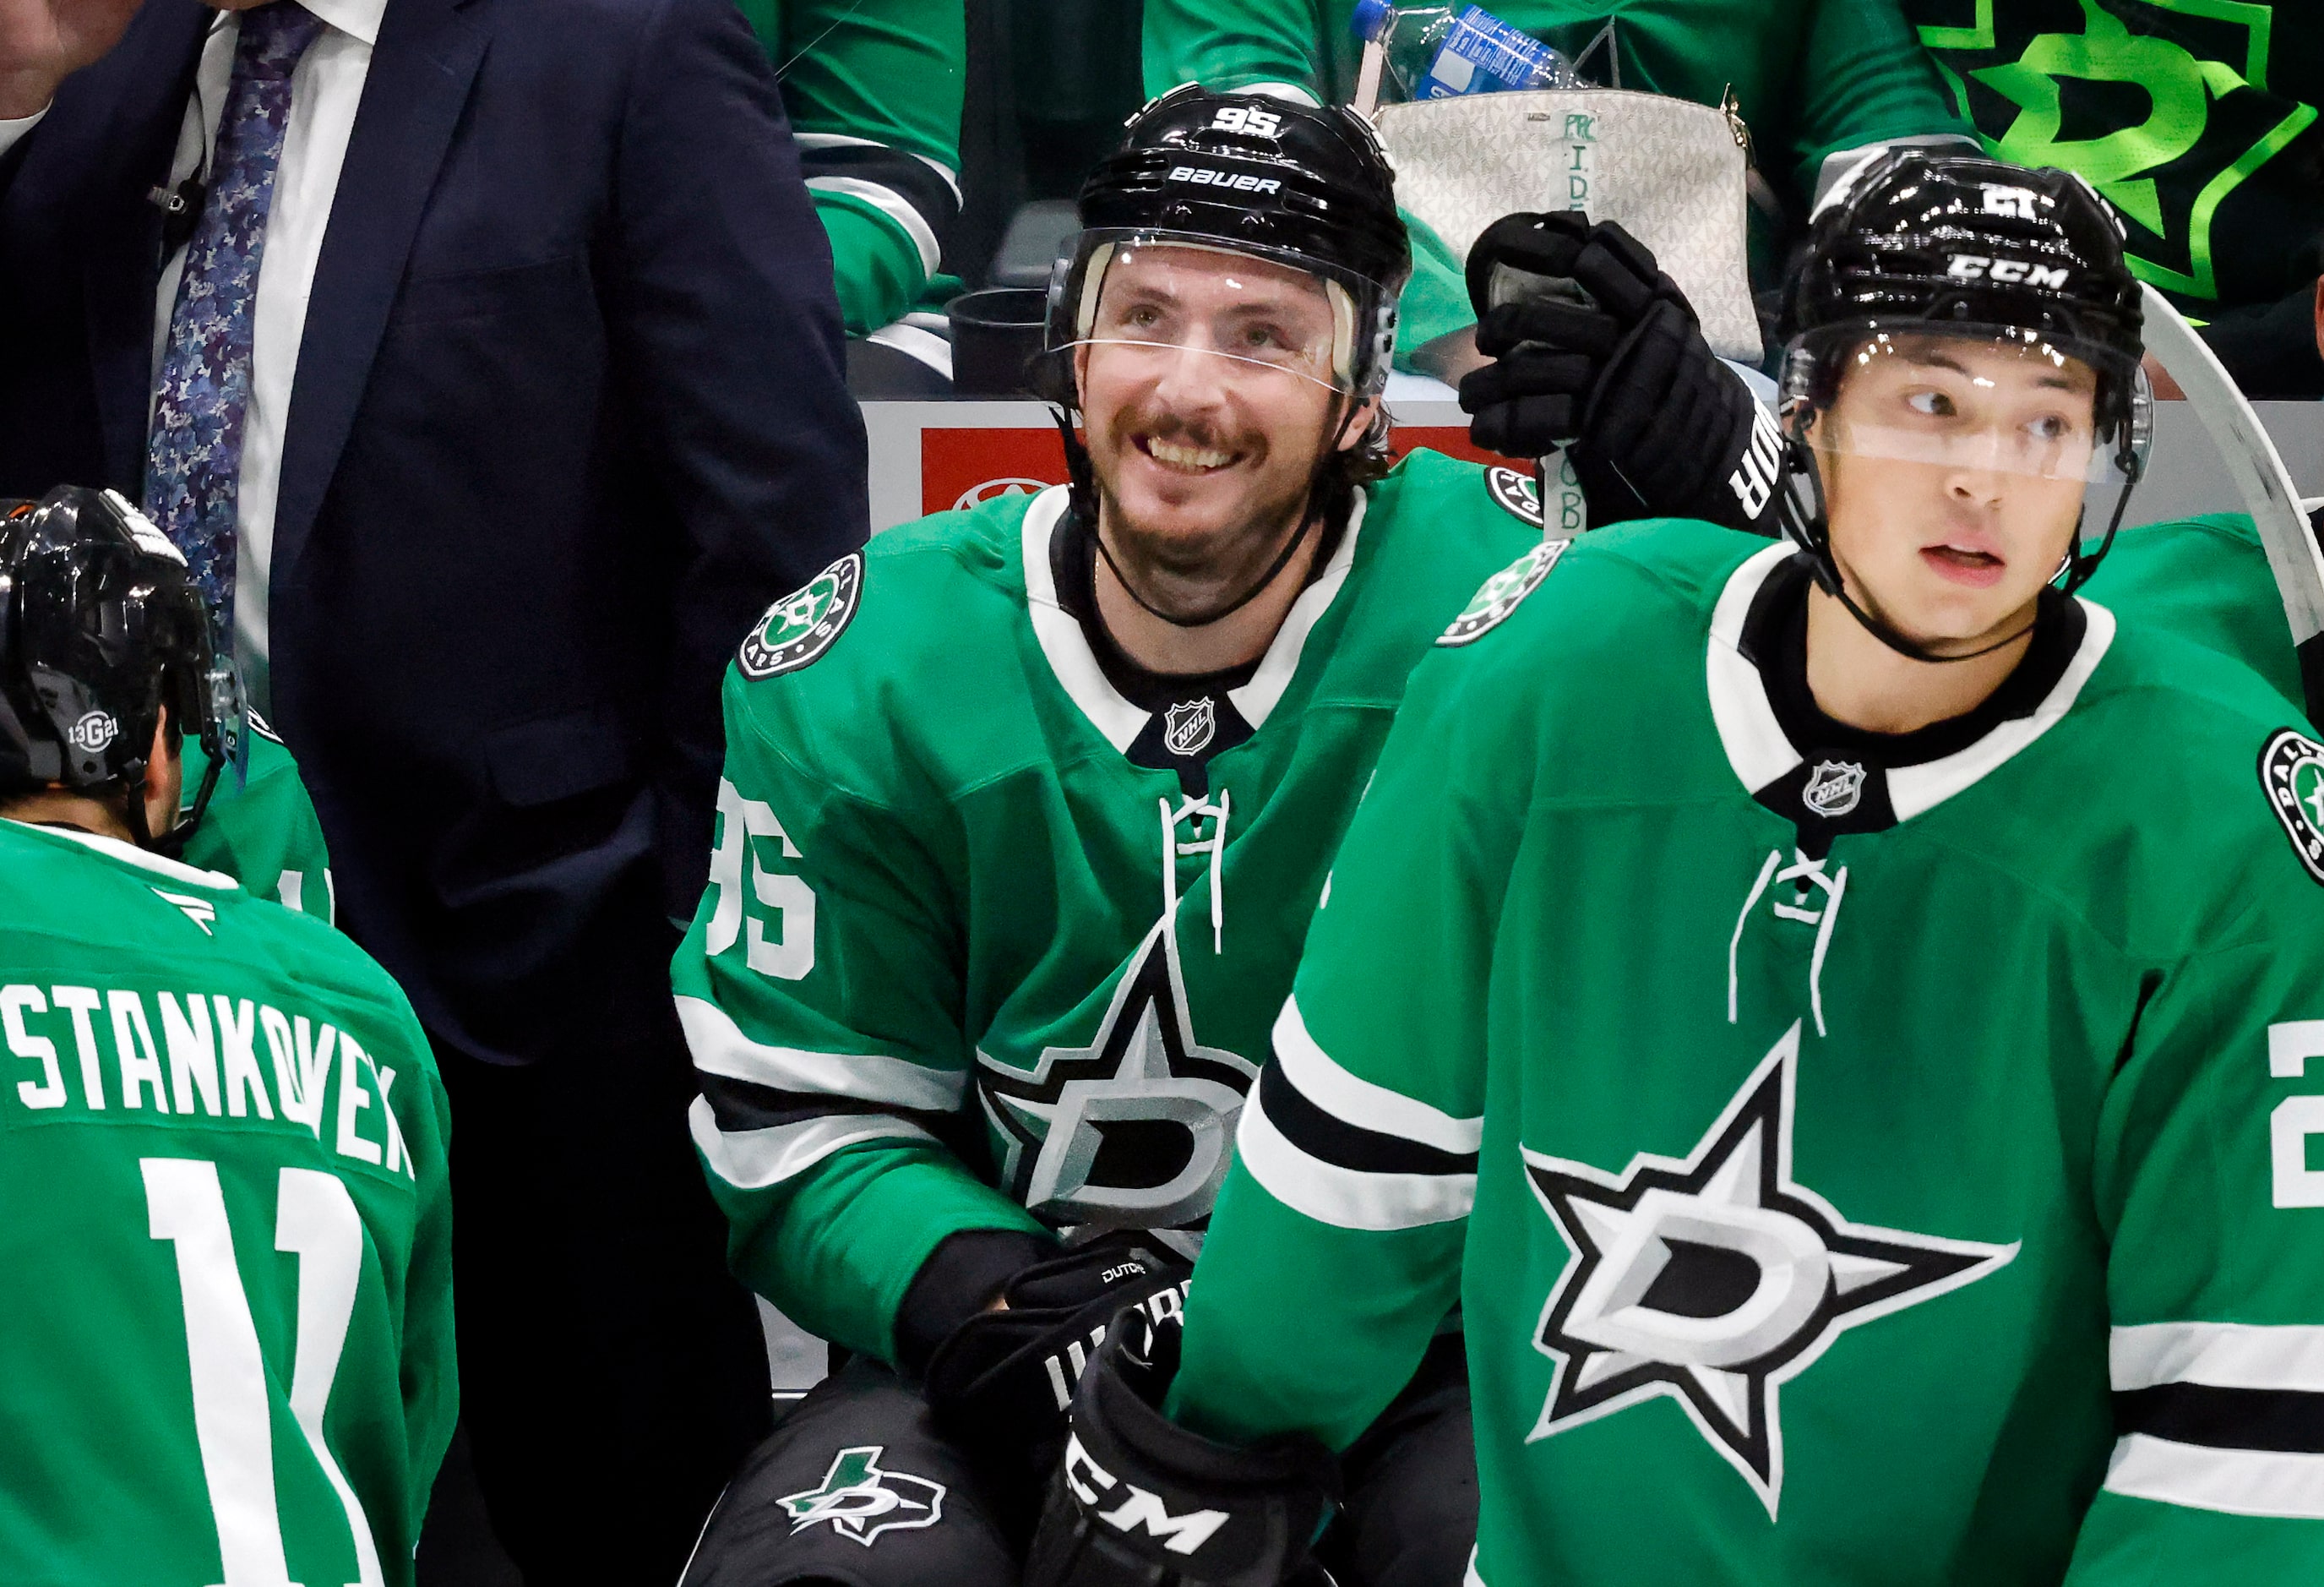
[(1596, 346), (1002, 1382), (1141, 1502)]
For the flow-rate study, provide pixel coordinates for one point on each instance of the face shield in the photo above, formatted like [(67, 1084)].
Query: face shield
[(1145, 306), (1990, 413)]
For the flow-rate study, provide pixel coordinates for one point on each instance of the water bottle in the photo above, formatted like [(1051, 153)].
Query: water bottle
[(1437, 53)]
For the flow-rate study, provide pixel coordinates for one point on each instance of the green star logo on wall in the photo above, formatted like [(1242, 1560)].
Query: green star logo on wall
[(2182, 87)]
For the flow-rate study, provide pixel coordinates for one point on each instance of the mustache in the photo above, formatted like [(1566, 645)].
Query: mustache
[(1164, 426)]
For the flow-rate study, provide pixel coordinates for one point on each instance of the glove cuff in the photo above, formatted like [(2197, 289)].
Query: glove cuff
[(958, 1280)]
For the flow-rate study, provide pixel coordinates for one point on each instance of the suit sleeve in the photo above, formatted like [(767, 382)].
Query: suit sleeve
[(874, 90), (820, 991), (729, 363), (2210, 1183), (1334, 1251)]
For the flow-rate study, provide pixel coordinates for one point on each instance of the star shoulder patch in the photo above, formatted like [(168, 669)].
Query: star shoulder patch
[(1715, 1279), (860, 1499), (1517, 493), (806, 623), (1499, 596), (2291, 774)]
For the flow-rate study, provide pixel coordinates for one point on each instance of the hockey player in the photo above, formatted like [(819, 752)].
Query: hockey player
[(1844, 1015), (1026, 812), (260, 827), (225, 1319)]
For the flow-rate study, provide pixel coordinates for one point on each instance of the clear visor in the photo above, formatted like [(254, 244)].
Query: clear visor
[(1145, 304), (1973, 400)]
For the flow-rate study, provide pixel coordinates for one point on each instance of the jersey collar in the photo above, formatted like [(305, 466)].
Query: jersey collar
[(129, 853), (1760, 753), (1067, 649)]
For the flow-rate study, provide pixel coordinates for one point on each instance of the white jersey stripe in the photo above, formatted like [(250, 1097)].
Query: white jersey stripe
[(2223, 1355), (754, 1160), (1345, 1198), (2238, 1481), (719, 1048), (1359, 1101)]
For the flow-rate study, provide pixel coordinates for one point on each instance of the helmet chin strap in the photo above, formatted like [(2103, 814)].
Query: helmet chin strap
[(1310, 512)]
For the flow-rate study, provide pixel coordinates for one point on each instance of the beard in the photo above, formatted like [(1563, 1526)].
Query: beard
[(1180, 574)]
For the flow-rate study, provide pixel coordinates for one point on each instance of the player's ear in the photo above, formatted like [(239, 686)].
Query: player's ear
[(164, 775), (1360, 423), (2320, 316)]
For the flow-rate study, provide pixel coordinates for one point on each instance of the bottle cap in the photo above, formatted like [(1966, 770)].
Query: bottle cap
[(1371, 18)]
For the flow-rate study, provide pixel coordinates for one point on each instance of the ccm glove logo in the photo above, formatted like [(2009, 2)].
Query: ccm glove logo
[(1138, 1510), (2007, 271)]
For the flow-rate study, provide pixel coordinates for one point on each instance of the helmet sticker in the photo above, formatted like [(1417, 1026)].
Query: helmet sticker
[(806, 623)]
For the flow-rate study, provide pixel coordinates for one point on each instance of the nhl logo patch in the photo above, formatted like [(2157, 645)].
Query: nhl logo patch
[(1492, 603), (1833, 788), (1516, 493), (805, 623), (1186, 729), (2291, 772)]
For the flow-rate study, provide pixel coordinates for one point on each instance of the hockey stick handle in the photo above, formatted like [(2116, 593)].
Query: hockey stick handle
[(2260, 478)]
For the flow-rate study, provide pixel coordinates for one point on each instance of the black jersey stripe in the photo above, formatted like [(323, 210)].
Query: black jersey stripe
[(1331, 1138), (745, 1104), (2280, 1420), (907, 176)]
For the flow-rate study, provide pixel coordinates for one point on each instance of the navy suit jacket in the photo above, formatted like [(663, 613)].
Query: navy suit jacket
[(570, 413)]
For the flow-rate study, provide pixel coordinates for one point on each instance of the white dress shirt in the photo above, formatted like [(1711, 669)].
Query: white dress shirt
[(326, 88)]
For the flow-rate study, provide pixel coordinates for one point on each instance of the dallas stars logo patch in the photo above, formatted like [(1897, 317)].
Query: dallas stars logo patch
[(1517, 493), (1715, 1280), (1134, 1130), (805, 623), (1490, 607), (2291, 772), (860, 1501)]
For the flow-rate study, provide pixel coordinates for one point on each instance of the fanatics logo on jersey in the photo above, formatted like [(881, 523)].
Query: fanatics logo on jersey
[(1833, 788), (1517, 493), (804, 625), (2291, 771), (1716, 1279), (200, 911), (1491, 605), (93, 733), (860, 1500), (1186, 729)]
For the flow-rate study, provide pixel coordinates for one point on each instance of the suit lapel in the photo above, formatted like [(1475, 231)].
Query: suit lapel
[(150, 78), (421, 71)]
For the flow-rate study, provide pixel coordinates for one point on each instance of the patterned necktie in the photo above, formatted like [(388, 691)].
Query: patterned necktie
[(194, 459)]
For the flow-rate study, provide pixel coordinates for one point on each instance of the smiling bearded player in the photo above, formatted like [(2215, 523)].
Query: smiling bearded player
[(1025, 814), (1844, 1018)]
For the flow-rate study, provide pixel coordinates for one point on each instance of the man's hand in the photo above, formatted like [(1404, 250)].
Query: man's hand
[(44, 42), (1597, 349), (1004, 1378), (1139, 1500)]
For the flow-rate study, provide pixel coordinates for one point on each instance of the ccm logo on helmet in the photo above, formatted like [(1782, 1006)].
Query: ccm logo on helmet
[(1224, 179), (1139, 1508), (2007, 271)]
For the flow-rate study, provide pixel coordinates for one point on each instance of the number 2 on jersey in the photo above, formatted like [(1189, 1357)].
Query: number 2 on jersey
[(315, 1219)]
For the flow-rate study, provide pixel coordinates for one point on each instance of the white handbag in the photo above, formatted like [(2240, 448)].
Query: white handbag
[(1674, 173)]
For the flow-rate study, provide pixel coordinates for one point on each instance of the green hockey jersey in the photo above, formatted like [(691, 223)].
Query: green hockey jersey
[(262, 830), (873, 89), (1814, 78), (225, 1266), (2205, 579), (1849, 1172), (986, 945)]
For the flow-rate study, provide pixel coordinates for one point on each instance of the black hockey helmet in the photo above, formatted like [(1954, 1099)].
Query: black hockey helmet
[(100, 629), (1247, 174), (1959, 246)]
